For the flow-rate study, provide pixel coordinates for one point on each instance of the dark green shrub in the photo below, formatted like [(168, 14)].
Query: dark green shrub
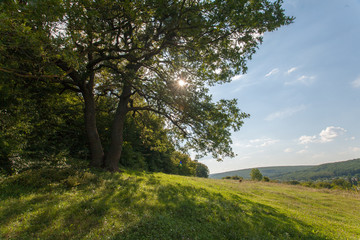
[(227, 177), (293, 182), (266, 179), (323, 185), (340, 183)]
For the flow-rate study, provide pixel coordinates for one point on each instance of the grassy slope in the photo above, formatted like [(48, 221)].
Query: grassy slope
[(132, 205), (266, 171)]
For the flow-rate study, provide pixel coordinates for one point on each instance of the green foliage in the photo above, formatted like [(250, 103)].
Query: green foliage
[(256, 174), (129, 55), (266, 179), (326, 171), (202, 170), (323, 185), (294, 182), (185, 166), (340, 183), (236, 177), (38, 126), (148, 147), (337, 183)]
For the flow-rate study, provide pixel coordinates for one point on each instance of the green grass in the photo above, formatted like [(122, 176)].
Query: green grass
[(54, 204)]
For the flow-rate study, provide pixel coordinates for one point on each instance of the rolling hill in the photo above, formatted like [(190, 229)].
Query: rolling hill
[(270, 172), (302, 173), (324, 171)]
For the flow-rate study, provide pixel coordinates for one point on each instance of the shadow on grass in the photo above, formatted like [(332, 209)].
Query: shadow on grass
[(61, 212), (140, 207), (186, 212)]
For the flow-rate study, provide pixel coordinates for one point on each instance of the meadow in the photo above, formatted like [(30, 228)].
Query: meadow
[(79, 204)]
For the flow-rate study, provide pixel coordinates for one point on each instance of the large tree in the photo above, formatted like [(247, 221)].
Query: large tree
[(136, 52)]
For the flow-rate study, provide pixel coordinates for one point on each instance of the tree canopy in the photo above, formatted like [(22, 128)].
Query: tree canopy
[(132, 54), (255, 174)]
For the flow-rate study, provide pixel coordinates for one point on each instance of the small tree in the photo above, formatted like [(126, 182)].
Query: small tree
[(256, 174), (202, 170)]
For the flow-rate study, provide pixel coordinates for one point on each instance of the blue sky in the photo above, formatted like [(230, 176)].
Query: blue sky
[(302, 89)]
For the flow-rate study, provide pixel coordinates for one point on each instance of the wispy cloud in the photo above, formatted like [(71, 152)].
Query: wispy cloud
[(263, 142), (288, 150), (327, 135), (237, 77), (302, 151), (285, 113), (356, 83), (256, 143), (272, 72), (304, 80), (293, 69), (354, 149)]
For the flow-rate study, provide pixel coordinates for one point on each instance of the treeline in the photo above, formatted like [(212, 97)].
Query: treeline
[(255, 175), (324, 172), (43, 125), (350, 183), (346, 183)]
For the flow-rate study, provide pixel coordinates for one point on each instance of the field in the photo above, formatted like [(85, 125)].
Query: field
[(64, 204)]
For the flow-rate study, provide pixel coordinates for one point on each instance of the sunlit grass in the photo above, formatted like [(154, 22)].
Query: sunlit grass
[(135, 205)]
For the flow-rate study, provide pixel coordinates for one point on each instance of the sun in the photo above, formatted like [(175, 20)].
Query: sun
[(181, 83)]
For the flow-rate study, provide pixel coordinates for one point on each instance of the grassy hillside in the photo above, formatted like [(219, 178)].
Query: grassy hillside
[(324, 171), (266, 171), (64, 204)]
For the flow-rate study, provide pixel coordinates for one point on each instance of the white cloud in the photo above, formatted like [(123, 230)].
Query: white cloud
[(326, 135), (356, 83), (307, 139), (272, 72), (304, 80), (330, 133), (293, 69), (285, 113)]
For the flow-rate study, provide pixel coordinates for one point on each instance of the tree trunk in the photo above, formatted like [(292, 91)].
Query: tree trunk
[(113, 156), (96, 150)]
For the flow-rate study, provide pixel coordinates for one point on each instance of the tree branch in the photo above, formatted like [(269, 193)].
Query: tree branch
[(148, 108), (24, 75)]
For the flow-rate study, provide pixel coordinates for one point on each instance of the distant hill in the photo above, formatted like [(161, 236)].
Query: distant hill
[(266, 171), (324, 171), (302, 173)]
